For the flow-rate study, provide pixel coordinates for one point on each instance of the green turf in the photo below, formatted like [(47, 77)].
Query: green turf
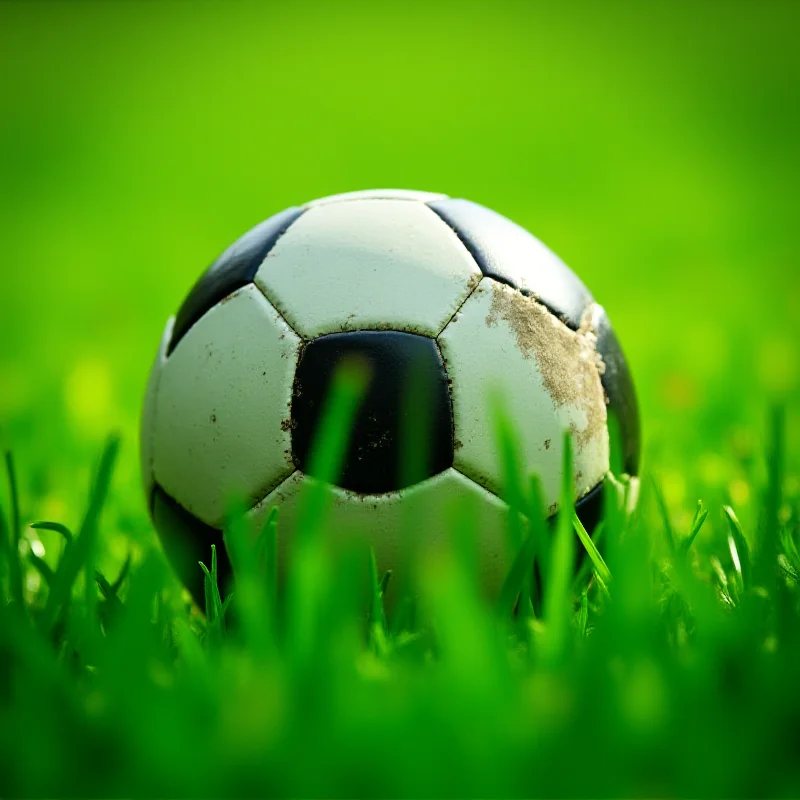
[(655, 147), (662, 667)]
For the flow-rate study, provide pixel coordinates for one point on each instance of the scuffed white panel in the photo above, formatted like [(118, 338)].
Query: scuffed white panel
[(548, 378), (222, 423)]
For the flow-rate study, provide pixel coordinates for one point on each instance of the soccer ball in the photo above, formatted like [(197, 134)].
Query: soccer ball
[(410, 282)]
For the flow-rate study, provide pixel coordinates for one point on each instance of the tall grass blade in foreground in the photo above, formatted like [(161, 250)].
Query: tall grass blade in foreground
[(739, 550), (308, 578), (254, 559), (527, 534), (216, 607), (80, 554), (511, 464), (11, 530), (601, 571), (557, 597), (330, 442), (700, 516)]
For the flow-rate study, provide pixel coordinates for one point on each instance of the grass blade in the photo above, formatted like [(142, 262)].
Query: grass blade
[(787, 570), (467, 641), (267, 553), (583, 614), (330, 443), (740, 552), (521, 567), (385, 582), (256, 592), (557, 590), (586, 569), (537, 519), (415, 427), (15, 564), (790, 548), (511, 470), (42, 567), (213, 584), (123, 573), (464, 536), (377, 617), (700, 516), (5, 553), (81, 554), (111, 607), (669, 533), (56, 527), (601, 570), (216, 609), (309, 567), (208, 593)]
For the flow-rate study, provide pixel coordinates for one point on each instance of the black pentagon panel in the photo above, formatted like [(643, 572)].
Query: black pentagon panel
[(618, 385), (236, 267), (507, 253), (187, 541), (407, 401)]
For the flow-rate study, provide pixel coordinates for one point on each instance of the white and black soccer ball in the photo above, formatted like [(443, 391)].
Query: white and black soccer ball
[(471, 300)]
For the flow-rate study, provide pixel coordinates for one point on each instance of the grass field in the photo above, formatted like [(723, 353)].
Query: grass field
[(654, 147)]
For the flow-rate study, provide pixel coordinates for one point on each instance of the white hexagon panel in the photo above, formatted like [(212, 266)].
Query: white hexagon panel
[(387, 522), (546, 375), (222, 407), (374, 264)]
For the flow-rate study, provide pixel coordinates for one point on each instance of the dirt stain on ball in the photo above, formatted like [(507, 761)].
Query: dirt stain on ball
[(566, 359)]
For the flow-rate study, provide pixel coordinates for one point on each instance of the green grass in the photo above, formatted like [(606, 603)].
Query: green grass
[(666, 666)]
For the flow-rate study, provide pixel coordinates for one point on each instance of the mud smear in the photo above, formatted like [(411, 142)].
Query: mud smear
[(567, 360), (473, 281)]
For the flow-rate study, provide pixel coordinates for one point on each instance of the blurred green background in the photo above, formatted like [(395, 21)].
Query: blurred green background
[(653, 145)]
